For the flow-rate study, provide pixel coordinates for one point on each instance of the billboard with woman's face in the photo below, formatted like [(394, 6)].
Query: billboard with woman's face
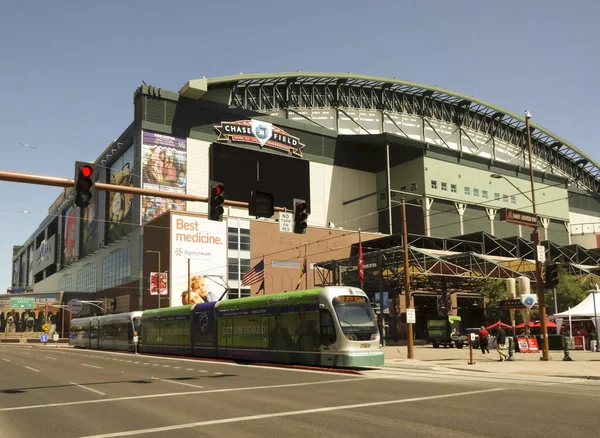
[(69, 236), (164, 167), (120, 205)]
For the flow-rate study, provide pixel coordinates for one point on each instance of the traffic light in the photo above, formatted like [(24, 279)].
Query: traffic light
[(300, 216), (551, 280), (215, 201), (84, 184)]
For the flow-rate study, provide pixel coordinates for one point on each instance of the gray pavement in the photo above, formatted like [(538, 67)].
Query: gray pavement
[(77, 393), (584, 364)]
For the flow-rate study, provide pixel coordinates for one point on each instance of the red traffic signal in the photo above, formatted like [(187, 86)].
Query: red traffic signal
[(300, 216), (215, 201), (86, 171), (84, 184)]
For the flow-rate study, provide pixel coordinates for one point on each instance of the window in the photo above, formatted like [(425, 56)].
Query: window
[(433, 184), (513, 199), (116, 268), (444, 187), (497, 196), (484, 194), (86, 278), (467, 191), (505, 198), (453, 188), (236, 268), (413, 187), (65, 283), (241, 235), (476, 193)]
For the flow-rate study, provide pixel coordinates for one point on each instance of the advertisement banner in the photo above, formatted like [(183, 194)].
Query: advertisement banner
[(92, 222), (164, 167), (44, 255), (69, 236), (30, 314), (154, 287), (204, 244), (120, 205)]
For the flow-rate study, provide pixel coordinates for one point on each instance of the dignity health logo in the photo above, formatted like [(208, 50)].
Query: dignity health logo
[(262, 133)]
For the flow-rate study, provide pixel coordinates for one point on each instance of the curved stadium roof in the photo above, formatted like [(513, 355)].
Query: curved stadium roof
[(271, 92)]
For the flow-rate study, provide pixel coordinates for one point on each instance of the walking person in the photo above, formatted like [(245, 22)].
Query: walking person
[(500, 342), (484, 338)]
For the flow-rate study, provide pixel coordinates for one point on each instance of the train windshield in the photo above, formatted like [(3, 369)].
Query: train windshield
[(355, 314), (137, 322)]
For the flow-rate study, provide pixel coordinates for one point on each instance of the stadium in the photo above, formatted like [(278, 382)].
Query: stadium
[(353, 147)]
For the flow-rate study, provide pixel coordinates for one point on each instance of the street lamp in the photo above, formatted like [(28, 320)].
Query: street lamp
[(158, 280), (535, 238)]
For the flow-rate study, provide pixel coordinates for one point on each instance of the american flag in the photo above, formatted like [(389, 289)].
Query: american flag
[(254, 275)]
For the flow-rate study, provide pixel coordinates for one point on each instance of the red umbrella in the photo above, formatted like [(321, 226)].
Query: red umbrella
[(536, 325), (496, 324)]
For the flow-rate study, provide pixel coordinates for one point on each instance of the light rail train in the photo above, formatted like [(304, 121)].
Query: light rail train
[(332, 326)]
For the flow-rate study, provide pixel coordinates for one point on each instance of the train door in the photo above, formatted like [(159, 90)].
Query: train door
[(94, 333)]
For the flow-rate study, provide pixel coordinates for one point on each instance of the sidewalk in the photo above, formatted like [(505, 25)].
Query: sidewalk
[(585, 364)]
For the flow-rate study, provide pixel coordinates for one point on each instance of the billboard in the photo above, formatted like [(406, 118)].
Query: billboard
[(164, 167), (44, 255), (120, 205), (154, 287), (93, 225), (204, 244), (69, 235)]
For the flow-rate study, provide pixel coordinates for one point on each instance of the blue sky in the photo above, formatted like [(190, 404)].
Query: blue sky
[(68, 69)]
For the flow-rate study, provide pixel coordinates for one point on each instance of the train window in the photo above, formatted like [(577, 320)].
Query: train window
[(328, 336)]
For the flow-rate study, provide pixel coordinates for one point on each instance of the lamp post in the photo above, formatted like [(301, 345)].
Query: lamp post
[(535, 238), (158, 279), (594, 292)]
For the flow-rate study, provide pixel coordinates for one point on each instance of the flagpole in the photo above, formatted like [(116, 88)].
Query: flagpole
[(360, 277), (264, 275), (306, 265)]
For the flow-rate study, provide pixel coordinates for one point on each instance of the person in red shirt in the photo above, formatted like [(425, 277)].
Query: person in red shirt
[(484, 337)]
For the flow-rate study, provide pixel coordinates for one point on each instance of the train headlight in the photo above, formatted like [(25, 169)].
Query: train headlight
[(374, 336), (351, 337)]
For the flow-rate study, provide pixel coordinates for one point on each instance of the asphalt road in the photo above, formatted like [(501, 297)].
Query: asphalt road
[(76, 393)]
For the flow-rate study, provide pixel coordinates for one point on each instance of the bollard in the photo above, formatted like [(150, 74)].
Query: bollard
[(471, 360), (511, 356), (567, 358)]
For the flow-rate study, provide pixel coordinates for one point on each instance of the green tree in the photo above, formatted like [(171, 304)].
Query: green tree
[(569, 292), (494, 291)]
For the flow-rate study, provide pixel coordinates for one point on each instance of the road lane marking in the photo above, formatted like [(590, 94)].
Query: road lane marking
[(179, 383), (166, 366), (32, 369), (176, 368), (291, 413), (6, 360), (85, 387), (219, 374), (176, 394), (91, 366), (49, 357), (189, 369)]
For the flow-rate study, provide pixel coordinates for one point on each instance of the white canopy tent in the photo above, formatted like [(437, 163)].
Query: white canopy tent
[(589, 308)]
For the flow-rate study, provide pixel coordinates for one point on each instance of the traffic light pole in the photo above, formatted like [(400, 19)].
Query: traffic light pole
[(27, 178)]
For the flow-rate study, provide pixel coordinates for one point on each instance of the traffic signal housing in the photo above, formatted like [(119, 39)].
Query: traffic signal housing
[(551, 280), (300, 216), (84, 183), (215, 201)]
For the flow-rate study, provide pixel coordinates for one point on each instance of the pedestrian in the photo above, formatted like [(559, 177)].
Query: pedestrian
[(500, 342), (484, 336)]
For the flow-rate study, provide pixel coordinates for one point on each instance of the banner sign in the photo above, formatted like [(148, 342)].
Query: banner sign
[(44, 255), (261, 133), (154, 283), (529, 300), (518, 217), (203, 244), (513, 303), (527, 345)]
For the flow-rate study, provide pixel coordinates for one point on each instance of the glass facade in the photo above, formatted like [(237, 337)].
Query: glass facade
[(86, 278), (116, 268)]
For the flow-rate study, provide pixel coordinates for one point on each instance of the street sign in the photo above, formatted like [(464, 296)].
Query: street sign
[(541, 253), (513, 303), (286, 222), (55, 337), (44, 338), (411, 317), (518, 217), (22, 303), (76, 306)]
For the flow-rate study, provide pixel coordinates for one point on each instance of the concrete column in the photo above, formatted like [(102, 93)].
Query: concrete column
[(567, 225), (460, 208), (426, 204), (545, 222), (491, 214)]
